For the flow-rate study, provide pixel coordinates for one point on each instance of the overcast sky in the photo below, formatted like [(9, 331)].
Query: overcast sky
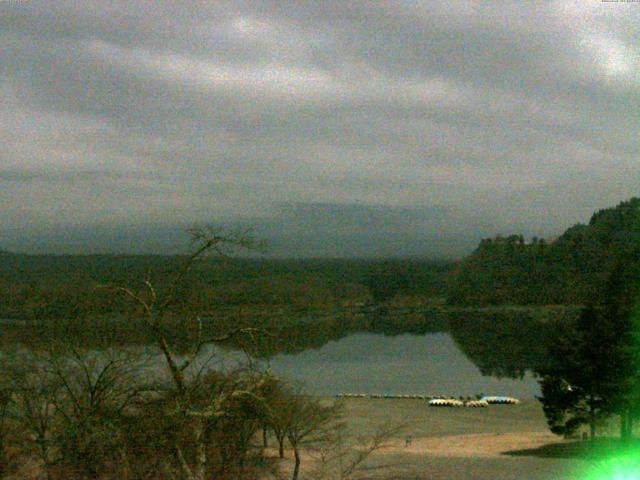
[(337, 128)]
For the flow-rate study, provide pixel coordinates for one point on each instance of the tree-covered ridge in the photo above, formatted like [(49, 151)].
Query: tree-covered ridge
[(568, 270), (48, 286)]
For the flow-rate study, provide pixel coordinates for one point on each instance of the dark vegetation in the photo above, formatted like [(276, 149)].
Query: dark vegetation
[(55, 287), (304, 303), (291, 332), (163, 413), (83, 415), (569, 270), (508, 342), (590, 368), (593, 368), (101, 416)]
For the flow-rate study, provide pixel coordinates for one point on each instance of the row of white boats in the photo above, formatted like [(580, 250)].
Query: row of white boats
[(383, 395), (436, 401), (479, 403)]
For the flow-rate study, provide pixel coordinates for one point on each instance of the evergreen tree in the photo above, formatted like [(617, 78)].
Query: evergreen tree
[(594, 366), (621, 307), (583, 376)]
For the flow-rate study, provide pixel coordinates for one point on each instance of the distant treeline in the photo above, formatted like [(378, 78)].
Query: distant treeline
[(49, 286), (569, 270)]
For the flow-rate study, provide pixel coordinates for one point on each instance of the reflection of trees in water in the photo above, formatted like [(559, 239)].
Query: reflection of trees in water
[(507, 342), (503, 342), (288, 331), (293, 335)]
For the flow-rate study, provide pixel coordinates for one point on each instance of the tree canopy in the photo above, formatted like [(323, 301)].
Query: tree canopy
[(571, 269)]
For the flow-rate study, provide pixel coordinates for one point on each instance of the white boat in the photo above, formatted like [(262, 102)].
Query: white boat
[(445, 402), (500, 400), (476, 404)]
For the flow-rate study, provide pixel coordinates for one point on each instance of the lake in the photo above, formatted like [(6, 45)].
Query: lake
[(331, 359), (431, 364)]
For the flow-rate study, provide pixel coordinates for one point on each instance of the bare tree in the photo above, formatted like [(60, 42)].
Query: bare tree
[(278, 414), (309, 421), (67, 409), (35, 396), (343, 455), (94, 389), (155, 305)]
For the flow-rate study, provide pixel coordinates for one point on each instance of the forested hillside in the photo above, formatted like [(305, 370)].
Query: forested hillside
[(568, 270), (47, 286)]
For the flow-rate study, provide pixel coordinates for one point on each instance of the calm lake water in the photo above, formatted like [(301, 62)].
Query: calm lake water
[(405, 364), (429, 364)]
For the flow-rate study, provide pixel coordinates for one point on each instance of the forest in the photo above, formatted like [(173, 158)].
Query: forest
[(568, 270), (508, 270), (566, 309), (79, 410), (54, 287)]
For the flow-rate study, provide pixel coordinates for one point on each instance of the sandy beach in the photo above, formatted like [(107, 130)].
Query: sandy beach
[(490, 445), (496, 443)]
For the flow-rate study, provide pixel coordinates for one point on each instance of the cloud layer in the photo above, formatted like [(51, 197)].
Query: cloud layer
[(406, 127)]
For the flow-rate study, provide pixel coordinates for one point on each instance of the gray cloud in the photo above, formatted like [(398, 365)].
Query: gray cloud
[(393, 122)]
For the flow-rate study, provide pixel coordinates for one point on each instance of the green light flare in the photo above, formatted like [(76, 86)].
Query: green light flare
[(616, 467)]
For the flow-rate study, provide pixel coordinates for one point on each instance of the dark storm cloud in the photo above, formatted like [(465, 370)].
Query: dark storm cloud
[(398, 120)]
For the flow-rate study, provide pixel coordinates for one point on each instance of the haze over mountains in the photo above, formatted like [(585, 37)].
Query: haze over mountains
[(337, 128), (307, 230)]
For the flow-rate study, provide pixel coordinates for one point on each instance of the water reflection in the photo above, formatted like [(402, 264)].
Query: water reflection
[(429, 364), (440, 352)]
